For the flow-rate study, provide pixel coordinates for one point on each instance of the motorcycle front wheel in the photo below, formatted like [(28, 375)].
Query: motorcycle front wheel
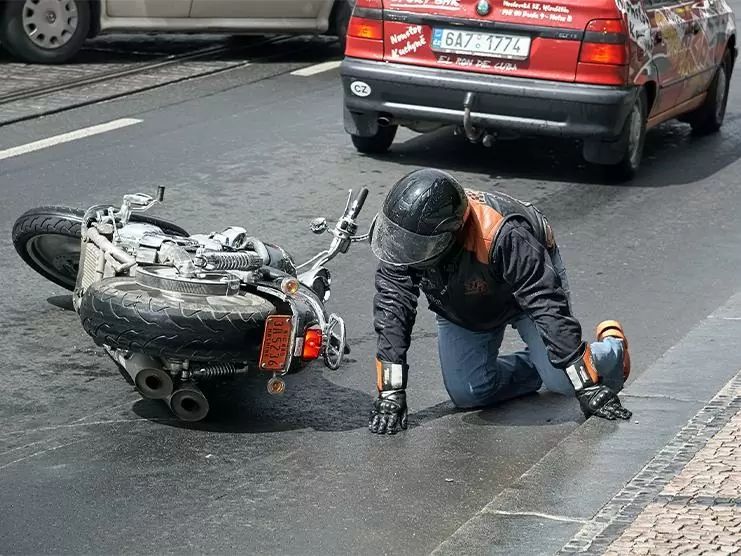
[(48, 240)]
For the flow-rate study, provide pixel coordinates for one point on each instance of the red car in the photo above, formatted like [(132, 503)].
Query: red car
[(600, 70)]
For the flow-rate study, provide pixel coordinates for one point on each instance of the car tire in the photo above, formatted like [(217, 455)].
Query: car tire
[(709, 117), (631, 141), (378, 143), (58, 44), (339, 20)]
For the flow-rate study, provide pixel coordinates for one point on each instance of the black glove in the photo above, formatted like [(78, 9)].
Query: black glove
[(389, 414), (601, 401)]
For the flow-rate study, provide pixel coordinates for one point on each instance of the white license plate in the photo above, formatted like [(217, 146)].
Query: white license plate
[(495, 45)]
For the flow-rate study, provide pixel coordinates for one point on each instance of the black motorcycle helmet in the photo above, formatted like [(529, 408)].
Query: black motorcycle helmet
[(419, 219)]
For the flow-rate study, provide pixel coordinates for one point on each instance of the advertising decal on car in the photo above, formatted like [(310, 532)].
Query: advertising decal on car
[(536, 11), (447, 5), (687, 51)]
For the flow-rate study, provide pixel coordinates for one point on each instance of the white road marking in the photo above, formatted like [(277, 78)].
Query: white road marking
[(318, 68), (67, 137)]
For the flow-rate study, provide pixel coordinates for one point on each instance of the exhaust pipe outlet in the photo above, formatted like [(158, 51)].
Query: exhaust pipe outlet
[(154, 384), (188, 403), (144, 372), (384, 121)]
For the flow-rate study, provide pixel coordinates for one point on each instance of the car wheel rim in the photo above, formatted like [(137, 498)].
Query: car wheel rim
[(636, 129), (57, 256), (720, 95), (50, 24)]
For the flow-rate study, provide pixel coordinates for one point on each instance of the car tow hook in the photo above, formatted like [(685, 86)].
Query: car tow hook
[(472, 133)]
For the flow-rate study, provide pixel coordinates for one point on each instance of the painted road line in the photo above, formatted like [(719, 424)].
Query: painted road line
[(67, 137), (318, 68)]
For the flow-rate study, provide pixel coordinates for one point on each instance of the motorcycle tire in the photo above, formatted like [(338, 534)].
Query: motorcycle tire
[(48, 240), (120, 313)]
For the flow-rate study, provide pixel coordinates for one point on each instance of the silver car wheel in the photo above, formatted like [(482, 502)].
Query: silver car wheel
[(50, 24), (634, 137)]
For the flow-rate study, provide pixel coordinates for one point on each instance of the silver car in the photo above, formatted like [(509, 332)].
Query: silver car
[(52, 31)]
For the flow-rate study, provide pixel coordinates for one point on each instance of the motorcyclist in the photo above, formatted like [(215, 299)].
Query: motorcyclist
[(484, 261)]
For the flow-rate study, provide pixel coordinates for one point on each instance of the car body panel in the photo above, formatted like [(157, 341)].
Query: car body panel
[(259, 16), (153, 9)]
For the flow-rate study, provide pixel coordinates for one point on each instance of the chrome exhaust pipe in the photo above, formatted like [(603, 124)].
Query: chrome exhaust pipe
[(154, 384), (145, 372), (188, 402)]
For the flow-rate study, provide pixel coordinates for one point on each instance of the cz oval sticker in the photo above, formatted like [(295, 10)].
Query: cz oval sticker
[(359, 88)]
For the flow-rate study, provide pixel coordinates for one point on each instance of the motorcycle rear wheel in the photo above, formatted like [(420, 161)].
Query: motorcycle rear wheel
[(123, 314), (48, 240)]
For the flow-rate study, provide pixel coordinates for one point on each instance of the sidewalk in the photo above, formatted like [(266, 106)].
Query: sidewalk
[(687, 500), (666, 482), (699, 510)]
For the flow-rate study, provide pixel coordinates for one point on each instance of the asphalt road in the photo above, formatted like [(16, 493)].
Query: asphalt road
[(86, 466)]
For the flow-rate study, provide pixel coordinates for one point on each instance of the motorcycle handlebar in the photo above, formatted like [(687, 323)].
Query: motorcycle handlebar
[(359, 202)]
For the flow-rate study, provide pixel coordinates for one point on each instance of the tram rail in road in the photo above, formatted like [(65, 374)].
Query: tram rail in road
[(80, 91)]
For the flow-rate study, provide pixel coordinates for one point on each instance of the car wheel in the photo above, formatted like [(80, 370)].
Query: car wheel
[(630, 142), (45, 31), (378, 143), (339, 20), (709, 117)]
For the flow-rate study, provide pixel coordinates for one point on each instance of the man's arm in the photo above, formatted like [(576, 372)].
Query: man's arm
[(394, 313), (526, 266)]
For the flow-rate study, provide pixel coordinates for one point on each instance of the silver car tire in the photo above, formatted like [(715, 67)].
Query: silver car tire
[(45, 31)]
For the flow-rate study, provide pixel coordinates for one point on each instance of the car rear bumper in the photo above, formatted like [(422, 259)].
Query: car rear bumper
[(418, 94)]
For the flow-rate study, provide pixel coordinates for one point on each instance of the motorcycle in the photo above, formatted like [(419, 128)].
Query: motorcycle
[(174, 310)]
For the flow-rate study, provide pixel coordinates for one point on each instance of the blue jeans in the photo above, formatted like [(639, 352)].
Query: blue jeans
[(475, 375)]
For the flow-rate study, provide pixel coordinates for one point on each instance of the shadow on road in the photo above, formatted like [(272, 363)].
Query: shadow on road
[(244, 406), (313, 402), (673, 156)]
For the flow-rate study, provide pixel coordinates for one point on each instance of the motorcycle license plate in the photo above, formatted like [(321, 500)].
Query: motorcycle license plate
[(276, 343)]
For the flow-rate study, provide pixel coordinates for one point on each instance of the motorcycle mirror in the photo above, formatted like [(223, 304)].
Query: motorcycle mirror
[(319, 225)]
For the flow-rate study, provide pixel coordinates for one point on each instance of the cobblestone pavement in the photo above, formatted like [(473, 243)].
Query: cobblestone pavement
[(687, 500), (699, 512)]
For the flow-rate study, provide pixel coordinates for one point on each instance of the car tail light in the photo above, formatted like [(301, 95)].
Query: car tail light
[(312, 343), (365, 30), (605, 53), (605, 42), (362, 28)]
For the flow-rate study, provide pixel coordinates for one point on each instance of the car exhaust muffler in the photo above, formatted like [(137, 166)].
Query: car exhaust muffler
[(384, 121), (188, 402)]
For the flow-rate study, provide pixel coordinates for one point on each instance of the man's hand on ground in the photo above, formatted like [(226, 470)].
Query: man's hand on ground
[(389, 414), (601, 401)]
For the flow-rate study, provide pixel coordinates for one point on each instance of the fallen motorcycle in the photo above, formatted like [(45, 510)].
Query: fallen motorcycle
[(173, 310)]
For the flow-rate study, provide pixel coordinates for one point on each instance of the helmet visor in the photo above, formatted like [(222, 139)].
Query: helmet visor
[(395, 245)]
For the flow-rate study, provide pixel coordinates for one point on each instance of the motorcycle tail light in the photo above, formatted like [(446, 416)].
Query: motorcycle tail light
[(312, 343)]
